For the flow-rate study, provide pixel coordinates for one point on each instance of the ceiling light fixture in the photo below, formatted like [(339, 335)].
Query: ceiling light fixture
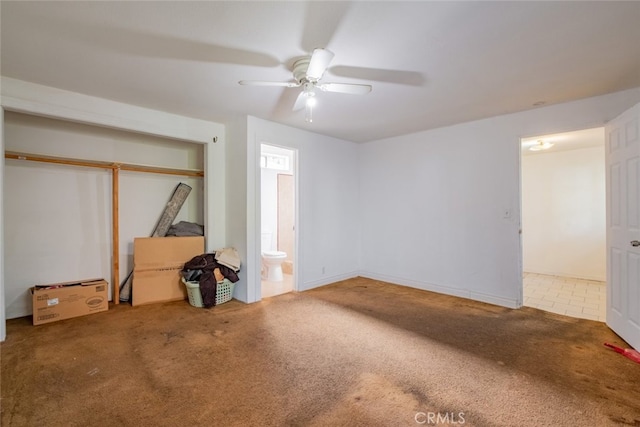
[(308, 108), (309, 103), (307, 73), (541, 145)]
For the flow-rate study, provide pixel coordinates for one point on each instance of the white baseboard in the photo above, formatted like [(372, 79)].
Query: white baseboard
[(447, 290), (327, 280)]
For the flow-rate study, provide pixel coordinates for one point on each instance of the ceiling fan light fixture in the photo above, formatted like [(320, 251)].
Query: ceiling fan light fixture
[(541, 145), (310, 102), (307, 73), (308, 108)]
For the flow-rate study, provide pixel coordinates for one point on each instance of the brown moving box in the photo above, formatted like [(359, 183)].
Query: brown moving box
[(59, 301), (157, 262)]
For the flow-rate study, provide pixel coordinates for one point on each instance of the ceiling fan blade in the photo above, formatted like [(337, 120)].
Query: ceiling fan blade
[(300, 102), (320, 59), (267, 83), (321, 21), (354, 89)]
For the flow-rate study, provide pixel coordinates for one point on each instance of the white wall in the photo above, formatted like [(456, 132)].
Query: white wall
[(564, 213), (236, 203), (440, 210), (327, 182), (26, 97), (58, 218), (215, 218), (433, 208)]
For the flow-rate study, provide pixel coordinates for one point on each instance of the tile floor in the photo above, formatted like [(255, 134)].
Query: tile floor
[(270, 289), (586, 299)]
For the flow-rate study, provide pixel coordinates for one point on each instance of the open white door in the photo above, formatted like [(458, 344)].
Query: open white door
[(623, 225)]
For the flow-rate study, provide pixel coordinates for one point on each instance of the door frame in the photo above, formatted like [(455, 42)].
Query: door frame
[(258, 237), (520, 228)]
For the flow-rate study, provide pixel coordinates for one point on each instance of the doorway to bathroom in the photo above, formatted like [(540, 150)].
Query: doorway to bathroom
[(277, 219)]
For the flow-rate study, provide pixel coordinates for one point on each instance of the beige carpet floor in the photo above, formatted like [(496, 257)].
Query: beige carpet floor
[(356, 353)]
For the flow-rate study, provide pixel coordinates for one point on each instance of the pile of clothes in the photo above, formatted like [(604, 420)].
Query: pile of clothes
[(209, 269)]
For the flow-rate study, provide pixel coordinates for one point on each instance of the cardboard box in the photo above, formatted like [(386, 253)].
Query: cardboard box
[(59, 301), (157, 262)]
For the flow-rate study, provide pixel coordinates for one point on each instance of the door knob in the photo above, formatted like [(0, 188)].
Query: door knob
[(635, 243)]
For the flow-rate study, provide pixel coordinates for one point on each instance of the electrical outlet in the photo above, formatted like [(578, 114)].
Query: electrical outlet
[(322, 270)]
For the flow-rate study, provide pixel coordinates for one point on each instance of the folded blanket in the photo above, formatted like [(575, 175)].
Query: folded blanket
[(184, 228), (228, 257)]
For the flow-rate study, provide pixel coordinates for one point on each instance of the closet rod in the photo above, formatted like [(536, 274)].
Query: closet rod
[(102, 164)]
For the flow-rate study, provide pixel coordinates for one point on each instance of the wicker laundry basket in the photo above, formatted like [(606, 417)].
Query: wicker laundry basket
[(224, 292)]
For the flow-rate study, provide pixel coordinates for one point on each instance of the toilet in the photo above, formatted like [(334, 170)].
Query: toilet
[(271, 260)]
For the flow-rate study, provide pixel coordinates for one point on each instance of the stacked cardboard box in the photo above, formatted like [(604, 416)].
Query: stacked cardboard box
[(157, 262)]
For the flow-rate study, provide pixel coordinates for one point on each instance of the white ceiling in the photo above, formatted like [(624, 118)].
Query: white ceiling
[(431, 64), (585, 138)]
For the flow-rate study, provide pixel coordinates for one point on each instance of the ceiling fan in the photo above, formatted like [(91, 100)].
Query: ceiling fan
[(307, 73)]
